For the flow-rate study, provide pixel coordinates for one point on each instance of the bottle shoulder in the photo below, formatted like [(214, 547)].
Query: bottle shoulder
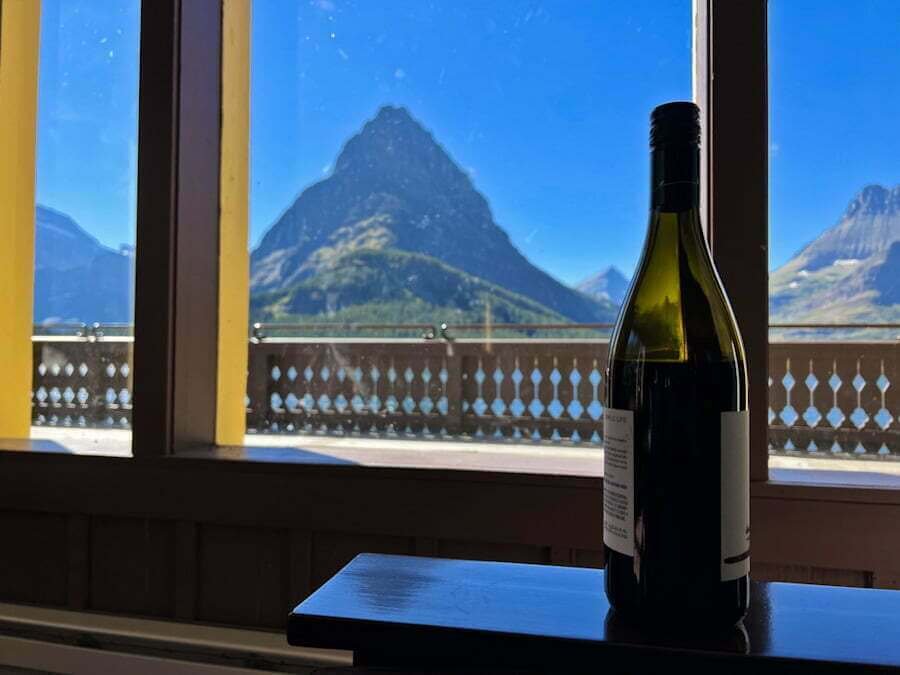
[(676, 309), (649, 337)]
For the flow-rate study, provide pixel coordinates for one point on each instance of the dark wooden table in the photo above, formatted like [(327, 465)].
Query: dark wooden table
[(429, 613)]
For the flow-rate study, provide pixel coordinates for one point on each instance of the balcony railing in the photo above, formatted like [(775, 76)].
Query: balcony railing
[(82, 381), (826, 398)]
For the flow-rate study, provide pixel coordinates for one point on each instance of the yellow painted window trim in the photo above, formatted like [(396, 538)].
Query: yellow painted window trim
[(19, 48), (234, 258)]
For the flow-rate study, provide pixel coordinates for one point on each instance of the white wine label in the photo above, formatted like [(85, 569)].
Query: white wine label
[(735, 487), (618, 480)]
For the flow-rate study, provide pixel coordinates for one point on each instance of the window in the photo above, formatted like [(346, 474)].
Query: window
[(85, 215), (835, 235), (440, 193), (193, 526)]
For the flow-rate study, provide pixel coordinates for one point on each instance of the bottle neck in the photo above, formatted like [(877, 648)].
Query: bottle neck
[(675, 177)]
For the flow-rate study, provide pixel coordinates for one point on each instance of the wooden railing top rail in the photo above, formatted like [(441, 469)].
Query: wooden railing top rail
[(446, 327), (835, 325), (261, 331), (258, 331), (807, 345), (81, 338), (340, 340)]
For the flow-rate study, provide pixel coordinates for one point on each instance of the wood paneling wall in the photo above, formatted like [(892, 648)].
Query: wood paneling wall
[(240, 543), (35, 564)]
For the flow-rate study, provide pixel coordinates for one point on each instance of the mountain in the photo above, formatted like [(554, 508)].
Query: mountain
[(76, 278), (367, 285), (609, 283), (886, 277), (850, 273), (868, 227), (395, 189)]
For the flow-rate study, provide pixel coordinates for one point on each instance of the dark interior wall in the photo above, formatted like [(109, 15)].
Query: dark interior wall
[(241, 542)]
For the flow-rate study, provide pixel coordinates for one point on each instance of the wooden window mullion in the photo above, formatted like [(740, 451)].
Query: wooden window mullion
[(176, 284), (731, 86)]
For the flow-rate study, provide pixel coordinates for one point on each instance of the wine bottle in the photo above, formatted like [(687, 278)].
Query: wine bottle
[(676, 484)]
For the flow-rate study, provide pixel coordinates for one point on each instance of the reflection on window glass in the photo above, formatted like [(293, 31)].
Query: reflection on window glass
[(85, 213), (434, 186), (835, 232)]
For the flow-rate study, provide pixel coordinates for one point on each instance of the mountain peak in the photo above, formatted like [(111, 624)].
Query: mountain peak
[(393, 145), (610, 271), (392, 114), (608, 283), (394, 187), (393, 121), (874, 200), (869, 225)]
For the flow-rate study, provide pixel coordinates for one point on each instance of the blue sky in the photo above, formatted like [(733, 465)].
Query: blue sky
[(834, 92), (545, 104), (87, 114)]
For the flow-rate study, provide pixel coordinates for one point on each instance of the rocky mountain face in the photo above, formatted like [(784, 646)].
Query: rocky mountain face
[(886, 277), (608, 283), (851, 272), (394, 189), (77, 278), (867, 229), (374, 286)]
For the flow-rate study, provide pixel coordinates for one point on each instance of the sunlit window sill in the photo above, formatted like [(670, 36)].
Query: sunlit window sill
[(439, 456), (789, 476), (839, 479), (465, 455), (864, 472), (74, 441)]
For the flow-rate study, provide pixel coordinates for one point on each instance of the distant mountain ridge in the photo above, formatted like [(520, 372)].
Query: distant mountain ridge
[(76, 278), (868, 227), (394, 188), (609, 283), (849, 273), (398, 233)]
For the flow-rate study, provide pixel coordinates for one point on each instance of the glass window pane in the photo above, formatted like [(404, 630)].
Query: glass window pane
[(835, 234), (448, 199), (85, 216)]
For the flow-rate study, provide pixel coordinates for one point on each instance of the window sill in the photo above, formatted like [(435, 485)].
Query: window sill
[(74, 441), (559, 465), (824, 473), (401, 453), (824, 478)]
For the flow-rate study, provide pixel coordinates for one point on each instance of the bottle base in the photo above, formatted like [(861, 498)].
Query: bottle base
[(685, 605), (718, 637)]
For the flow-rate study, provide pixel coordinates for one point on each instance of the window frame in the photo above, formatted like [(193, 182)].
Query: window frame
[(177, 269), (19, 47), (731, 87)]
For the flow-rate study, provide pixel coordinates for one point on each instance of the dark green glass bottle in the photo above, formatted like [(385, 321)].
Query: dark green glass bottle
[(676, 485)]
